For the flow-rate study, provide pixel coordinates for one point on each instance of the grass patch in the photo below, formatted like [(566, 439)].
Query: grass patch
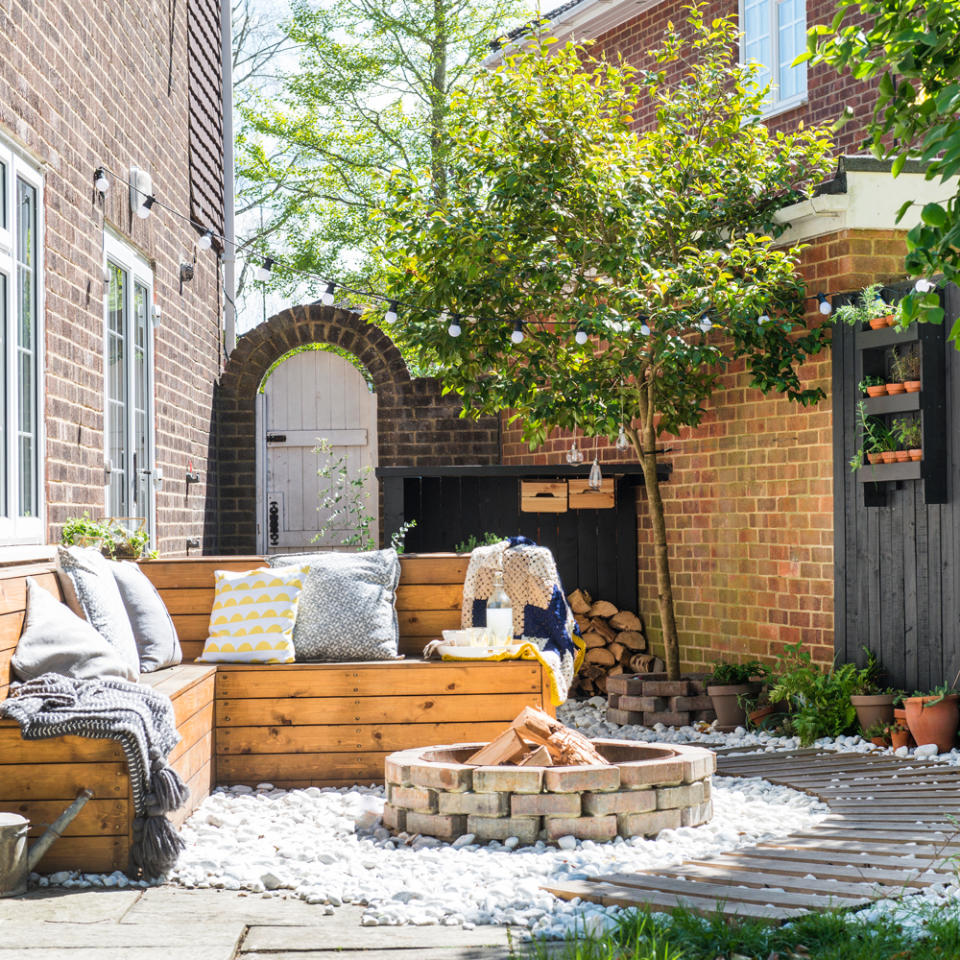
[(915, 932)]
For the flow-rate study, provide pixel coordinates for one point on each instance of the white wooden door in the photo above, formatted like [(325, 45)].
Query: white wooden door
[(314, 395)]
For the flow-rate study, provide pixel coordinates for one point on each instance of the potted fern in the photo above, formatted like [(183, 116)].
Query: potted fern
[(730, 686)]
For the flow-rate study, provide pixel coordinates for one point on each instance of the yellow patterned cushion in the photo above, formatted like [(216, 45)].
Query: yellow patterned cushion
[(253, 615)]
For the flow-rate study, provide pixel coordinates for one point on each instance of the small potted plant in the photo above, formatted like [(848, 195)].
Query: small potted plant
[(877, 734), (870, 308), (119, 541), (905, 369), (909, 431), (876, 438), (730, 686), (873, 386), (873, 705), (933, 717), (898, 733)]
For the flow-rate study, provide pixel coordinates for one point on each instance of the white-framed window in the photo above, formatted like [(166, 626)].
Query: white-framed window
[(21, 349), (128, 383), (774, 34)]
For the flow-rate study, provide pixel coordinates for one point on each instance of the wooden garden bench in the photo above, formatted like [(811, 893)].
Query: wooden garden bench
[(294, 725)]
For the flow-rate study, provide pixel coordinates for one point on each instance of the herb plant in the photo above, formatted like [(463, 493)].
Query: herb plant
[(869, 306), (909, 432), (472, 542), (112, 538), (734, 674), (870, 382), (904, 367)]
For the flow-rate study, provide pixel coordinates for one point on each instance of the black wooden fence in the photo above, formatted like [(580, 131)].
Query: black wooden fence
[(595, 549), (897, 565)]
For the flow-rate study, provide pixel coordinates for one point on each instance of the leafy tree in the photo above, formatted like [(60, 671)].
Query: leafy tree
[(911, 51), (559, 219), (370, 93)]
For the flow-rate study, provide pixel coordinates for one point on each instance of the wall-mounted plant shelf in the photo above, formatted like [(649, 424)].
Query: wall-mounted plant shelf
[(873, 353)]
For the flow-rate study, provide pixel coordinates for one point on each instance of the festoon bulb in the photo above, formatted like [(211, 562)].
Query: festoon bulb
[(595, 480)]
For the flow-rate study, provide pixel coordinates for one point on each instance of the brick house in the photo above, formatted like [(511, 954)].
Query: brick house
[(772, 538), (110, 360)]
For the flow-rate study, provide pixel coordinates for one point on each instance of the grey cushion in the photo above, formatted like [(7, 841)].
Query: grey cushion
[(91, 589), (56, 640), (153, 631), (347, 605)]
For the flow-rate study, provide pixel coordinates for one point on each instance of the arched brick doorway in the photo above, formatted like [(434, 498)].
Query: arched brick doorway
[(417, 426)]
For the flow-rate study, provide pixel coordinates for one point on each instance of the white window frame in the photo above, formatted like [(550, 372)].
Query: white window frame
[(775, 104), (14, 528), (118, 251)]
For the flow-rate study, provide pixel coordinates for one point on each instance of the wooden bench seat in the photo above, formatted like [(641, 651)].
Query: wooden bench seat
[(294, 725)]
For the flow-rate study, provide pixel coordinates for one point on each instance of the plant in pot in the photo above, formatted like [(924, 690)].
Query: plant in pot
[(905, 369), (869, 308), (818, 699), (876, 733), (873, 386), (909, 432), (730, 686), (898, 734), (933, 717), (877, 438), (873, 705), (113, 539)]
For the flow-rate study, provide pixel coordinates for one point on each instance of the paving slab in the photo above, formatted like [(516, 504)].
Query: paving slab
[(520, 951), (161, 904), (223, 951), (108, 937), (67, 906)]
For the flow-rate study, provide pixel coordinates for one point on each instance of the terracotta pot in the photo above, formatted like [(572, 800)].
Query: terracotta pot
[(899, 738), (873, 458), (887, 456), (878, 323), (901, 456), (911, 386), (900, 715), (878, 391), (726, 702), (891, 319), (895, 388), (879, 741), (873, 709), (936, 723), (915, 454)]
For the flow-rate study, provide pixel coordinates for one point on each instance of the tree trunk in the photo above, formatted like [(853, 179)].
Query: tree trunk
[(648, 456)]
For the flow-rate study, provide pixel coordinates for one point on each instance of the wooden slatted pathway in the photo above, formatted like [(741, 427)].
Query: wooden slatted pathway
[(894, 826)]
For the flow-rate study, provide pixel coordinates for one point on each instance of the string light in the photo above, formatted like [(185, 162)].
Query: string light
[(644, 326), (391, 315), (706, 324), (205, 240), (581, 336), (455, 329), (100, 180), (264, 270), (824, 305), (327, 298), (763, 319), (517, 335), (143, 211), (623, 441), (923, 285)]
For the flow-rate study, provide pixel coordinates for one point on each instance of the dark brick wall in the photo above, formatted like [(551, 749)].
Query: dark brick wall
[(82, 85), (416, 424), (827, 91)]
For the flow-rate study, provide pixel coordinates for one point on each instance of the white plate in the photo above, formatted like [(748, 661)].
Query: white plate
[(476, 653)]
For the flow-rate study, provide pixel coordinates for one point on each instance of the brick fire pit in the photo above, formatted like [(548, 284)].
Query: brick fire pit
[(646, 789)]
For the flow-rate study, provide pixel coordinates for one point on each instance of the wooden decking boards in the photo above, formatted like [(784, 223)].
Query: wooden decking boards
[(891, 831)]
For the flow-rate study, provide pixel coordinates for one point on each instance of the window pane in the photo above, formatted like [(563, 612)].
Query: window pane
[(117, 389), (758, 39), (26, 247), (792, 31), (141, 399), (4, 292), (3, 196)]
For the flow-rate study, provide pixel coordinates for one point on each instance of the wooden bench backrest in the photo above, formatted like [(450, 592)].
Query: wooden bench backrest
[(428, 598), (13, 603)]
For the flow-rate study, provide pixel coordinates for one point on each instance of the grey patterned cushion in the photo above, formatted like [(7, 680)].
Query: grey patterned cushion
[(153, 631), (347, 605), (90, 590)]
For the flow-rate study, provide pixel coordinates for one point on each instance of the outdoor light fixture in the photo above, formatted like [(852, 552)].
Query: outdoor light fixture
[(100, 180), (923, 285), (824, 305), (455, 329), (327, 298), (623, 441), (581, 336), (186, 273), (644, 326), (205, 241), (706, 324), (762, 319), (143, 211), (391, 315), (263, 271), (517, 335)]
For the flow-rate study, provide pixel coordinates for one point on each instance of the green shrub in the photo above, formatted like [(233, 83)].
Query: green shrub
[(734, 674), (471, 543)]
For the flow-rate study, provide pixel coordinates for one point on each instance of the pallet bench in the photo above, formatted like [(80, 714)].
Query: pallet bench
[(293, 725)]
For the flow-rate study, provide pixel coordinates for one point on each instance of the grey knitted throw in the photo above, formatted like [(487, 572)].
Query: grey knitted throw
[(142, 721)]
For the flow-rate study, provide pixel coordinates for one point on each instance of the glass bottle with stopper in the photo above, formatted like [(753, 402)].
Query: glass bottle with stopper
[(500, 612)]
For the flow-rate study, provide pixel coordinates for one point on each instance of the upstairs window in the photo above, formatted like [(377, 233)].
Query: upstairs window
[(774, 34), (21, 315)]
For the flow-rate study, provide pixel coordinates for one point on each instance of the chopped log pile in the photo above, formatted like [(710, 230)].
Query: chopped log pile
[(537, 739), (651, 698), (616, 644)]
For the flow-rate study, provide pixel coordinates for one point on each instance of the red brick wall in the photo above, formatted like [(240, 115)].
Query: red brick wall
[(82, 85), (749, 506), (828, 92)]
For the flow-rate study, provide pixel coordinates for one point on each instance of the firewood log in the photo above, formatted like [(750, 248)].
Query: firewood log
[(566, 746), (601, 655), (593, 639), (603, 608), (583, 622), (615, 671), (625, 620), (632, 639), (603, 628), (536, 758), (506, 748), (617, 649), (580, 601)]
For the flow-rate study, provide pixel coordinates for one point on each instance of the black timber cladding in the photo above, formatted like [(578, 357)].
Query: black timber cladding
[(897, 563)]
